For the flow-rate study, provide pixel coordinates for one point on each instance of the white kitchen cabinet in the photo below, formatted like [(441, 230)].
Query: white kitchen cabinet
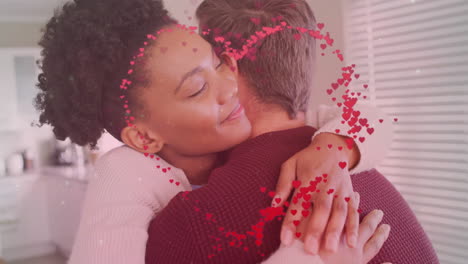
[(65, 200), (25, 230)]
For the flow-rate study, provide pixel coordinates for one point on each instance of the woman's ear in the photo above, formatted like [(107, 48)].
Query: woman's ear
[(230, 62), (140, 140)]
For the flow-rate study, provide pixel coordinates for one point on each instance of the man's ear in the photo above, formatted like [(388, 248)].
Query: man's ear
[(230, 62), (141, 140)]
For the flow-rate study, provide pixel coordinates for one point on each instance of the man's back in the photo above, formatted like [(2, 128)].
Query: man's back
[(222, 222), (407, 243)]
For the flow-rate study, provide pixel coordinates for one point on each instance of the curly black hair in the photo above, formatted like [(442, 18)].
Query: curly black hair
[(86, 50)]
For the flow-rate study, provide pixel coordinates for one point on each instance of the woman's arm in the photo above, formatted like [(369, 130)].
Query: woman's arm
[(372, 141), (122, 198), (346, 142)]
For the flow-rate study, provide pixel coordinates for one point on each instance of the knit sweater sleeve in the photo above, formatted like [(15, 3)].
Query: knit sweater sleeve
[(122, 198), (294, 253), (373, 141)]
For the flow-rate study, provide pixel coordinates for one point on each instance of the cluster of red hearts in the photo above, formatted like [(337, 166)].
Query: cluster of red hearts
[(248, 50)]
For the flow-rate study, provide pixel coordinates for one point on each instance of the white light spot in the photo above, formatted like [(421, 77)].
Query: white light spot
[(418, 71)]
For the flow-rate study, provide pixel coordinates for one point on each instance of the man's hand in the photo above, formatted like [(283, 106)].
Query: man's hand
[(331, 205)]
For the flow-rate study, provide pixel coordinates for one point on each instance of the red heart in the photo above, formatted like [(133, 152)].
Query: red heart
[(324, 175), (329, 91), (362, 139), (330, 191), (171, 180), (320, 25), (356, 113), (339, 105), (395, 119), (337, 131), (351, 102), (297, 36), (340, 148), (177, 183), (365, 86), (305, 213), (347, 199), (296, 222), (296, 184), (323, 46), (346, 116), (318, 148), (357, 76), (164, 170), (380, 120), (271, 194), (146, 154), (145, 147), (330, 146), (342, 164), (277, 200), (293, 212), (370, 130), (298, 234), (334, 99), (255, 20), (363, 121), (263, 189), (305, 205), (335, 86)]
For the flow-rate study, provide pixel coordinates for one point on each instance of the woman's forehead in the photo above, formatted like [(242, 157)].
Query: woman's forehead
[(176, 53)]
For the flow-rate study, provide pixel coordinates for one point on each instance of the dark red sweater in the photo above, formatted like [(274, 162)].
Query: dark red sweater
[(222, 222)]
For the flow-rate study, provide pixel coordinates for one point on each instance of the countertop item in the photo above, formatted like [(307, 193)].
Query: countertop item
[(78, 173), (15, 164)]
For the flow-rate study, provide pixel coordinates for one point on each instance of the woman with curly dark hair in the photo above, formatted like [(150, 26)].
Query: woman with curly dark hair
[(126, 67), (179, 101)]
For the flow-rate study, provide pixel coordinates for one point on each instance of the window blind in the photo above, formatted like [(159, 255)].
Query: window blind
[(414, 56)]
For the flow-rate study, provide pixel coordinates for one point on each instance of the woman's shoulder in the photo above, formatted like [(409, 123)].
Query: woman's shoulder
[(126, 168)]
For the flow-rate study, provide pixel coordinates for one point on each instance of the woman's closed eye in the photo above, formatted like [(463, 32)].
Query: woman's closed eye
[(221, 62)]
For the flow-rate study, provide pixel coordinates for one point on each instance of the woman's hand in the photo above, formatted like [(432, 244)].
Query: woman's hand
[(369, 241), (326, 160)]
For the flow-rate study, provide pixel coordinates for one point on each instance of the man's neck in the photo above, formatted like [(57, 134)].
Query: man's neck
[(267, 118), (196, 168)]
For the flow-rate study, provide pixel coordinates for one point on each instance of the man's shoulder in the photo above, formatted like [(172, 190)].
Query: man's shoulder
[(274, 145)]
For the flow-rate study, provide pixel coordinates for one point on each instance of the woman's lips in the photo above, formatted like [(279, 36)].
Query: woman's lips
[(236, 113)]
